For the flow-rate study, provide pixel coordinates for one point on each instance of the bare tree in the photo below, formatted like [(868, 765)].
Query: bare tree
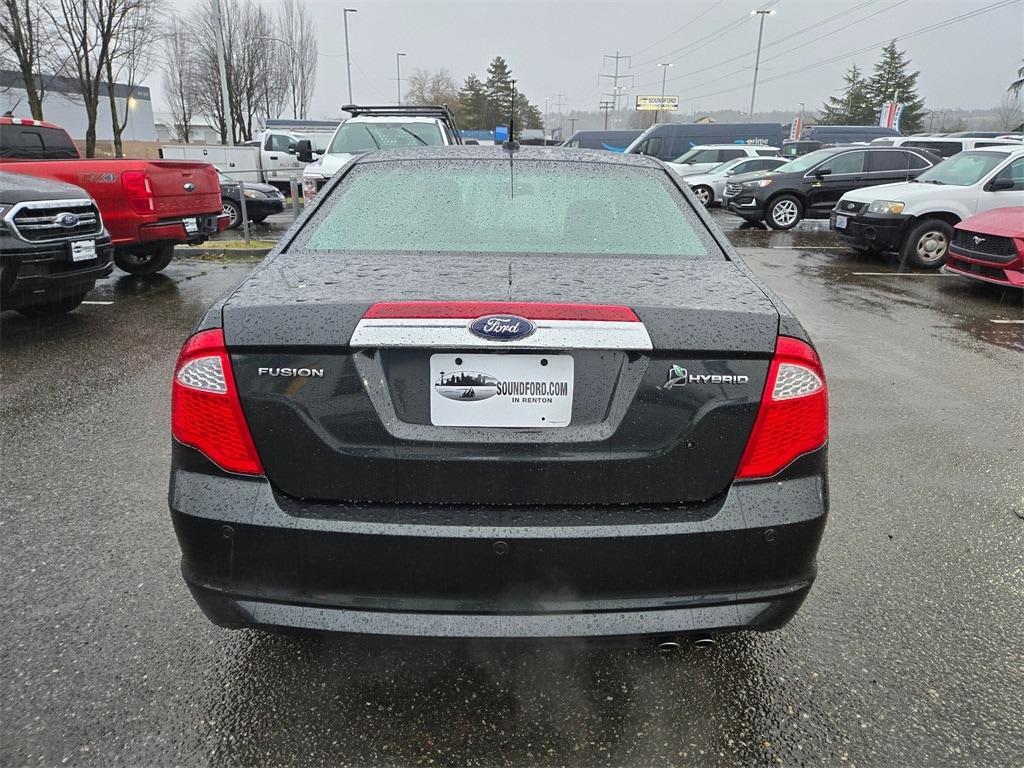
[(177, 69), (424, 87), (25, 31), (130, 59), (202, 71), (296, 30), (1008, 114)]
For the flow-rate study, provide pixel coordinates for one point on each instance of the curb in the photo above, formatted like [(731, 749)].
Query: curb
[(225, 254)]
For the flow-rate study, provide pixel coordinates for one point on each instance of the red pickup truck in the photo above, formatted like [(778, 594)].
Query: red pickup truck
[(148, 206)]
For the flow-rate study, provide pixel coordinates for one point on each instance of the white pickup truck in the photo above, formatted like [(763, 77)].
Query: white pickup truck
[(916, 218), (270, 159)]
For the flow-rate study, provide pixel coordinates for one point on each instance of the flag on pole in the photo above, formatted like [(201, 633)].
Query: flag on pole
[(796, 128), (889, 115)]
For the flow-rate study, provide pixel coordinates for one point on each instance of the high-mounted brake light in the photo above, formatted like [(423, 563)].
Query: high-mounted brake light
[(206, 413), (138, 190), (793, 417)]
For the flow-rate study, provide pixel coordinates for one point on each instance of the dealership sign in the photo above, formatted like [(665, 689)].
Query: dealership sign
[(657, 103)]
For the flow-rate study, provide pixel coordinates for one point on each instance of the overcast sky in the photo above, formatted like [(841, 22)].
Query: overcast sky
[(557, 48)]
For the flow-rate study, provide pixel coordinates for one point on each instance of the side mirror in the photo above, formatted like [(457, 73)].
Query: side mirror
[(304, 151), (1000, 185), (822, 172)]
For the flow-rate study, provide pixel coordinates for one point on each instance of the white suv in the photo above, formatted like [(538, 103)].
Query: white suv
[(704, 157), (916, 218), (373, 128)]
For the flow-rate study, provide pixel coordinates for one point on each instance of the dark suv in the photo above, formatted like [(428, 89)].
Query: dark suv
[(53, 246), (811, 185)]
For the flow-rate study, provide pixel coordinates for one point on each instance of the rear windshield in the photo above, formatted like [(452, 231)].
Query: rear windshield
[(963, 169), (35, 142), (478, 206), (356, 138)]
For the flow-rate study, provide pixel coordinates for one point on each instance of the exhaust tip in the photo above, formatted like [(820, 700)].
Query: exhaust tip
[(704, 641), (668, 646)]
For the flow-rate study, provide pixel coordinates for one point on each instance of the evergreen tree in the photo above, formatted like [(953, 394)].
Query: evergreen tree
[(471, 108), (892, 78), (498, 89), (851, 107)]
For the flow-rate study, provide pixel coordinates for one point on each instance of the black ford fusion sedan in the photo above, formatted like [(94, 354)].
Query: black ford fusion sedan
[(489, 392)]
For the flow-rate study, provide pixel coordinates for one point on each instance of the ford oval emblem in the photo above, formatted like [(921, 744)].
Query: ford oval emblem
[(502, 327), (189, 186), (67, 220)]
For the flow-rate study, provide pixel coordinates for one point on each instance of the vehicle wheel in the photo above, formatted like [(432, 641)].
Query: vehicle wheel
[(704, 194), (145, 263), (233, 212), (927, 244), (56, 308), (784, 212)]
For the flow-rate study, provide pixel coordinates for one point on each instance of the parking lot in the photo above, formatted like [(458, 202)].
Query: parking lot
[(908, 652)]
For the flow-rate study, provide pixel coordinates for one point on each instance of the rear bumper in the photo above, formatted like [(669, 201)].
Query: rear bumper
[(879, 232), (207, 225), (745, 561)]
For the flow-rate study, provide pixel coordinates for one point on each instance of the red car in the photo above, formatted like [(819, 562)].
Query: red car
[(148, 206), (990, 246)]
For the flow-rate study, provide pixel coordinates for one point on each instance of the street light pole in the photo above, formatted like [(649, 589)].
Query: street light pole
[(348, 58), (757, 59), (398, 70), (229, 136), (664, 72)]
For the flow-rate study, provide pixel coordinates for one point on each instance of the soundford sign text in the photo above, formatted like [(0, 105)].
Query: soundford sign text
[(660, 103)]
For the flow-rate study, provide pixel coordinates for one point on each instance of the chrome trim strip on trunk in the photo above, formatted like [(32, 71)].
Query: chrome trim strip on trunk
[(455, 334)]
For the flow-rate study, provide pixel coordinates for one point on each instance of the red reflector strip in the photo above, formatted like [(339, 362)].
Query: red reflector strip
[(467, 310)]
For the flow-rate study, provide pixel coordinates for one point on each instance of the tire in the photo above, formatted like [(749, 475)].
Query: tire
[(145, 263), (705, 195), (783, 212), (56, 308), (233, 211), (927, 244)]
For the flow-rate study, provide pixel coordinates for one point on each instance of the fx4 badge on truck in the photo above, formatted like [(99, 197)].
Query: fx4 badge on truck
[(678, 377)]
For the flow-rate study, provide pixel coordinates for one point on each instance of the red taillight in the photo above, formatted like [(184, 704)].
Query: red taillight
[(206, 413), (138, 190), (793, 417)]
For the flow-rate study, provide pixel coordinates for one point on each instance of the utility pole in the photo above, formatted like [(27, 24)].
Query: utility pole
[(398, 71), (757, 59), (348, 58), (572, 125), (664, 72), (559, 104), (616, 77), (229, 134), (606, 107)]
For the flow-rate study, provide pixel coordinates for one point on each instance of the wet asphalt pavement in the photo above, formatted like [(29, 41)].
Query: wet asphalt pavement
[(908, 652)]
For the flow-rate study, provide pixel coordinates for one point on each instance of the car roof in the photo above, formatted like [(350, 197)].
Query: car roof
[(730, 146), (497, 152), (392, 119)]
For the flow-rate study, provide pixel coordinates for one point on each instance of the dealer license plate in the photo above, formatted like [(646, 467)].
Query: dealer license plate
[(501, 390), (191, 226), (841, 222), (83, 250)]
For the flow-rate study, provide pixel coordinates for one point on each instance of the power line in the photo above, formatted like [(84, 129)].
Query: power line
[(744, 70), (783, 39), (848, 54), (680, 28)]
